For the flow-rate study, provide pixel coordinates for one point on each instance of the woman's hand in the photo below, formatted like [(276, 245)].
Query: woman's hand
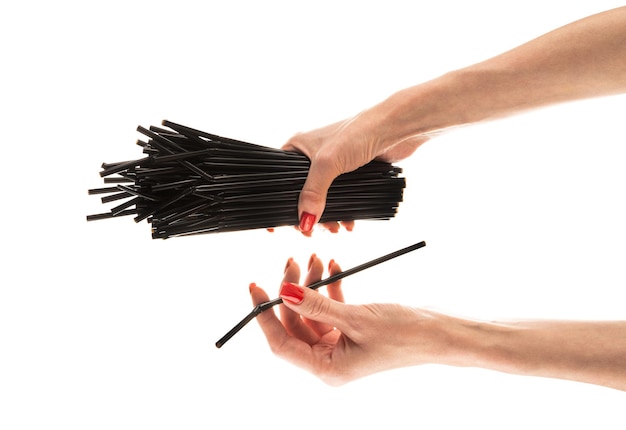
[(339, 342), (340, 148), (579, 60)]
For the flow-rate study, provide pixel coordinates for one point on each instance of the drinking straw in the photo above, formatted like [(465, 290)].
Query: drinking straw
[(262, 307), (192, 182)]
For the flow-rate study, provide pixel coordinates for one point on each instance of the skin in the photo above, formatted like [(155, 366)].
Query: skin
[(340, 342), (581, 60)]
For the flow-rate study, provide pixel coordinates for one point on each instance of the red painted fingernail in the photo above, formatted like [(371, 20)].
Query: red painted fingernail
[(306, 222), (291, 293), (288, 264), (311, 260)]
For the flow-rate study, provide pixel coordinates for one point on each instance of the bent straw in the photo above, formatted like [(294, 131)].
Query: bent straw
[(193, 182), (262, 307)]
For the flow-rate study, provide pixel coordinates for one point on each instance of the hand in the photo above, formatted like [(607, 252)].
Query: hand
[(580, 60), (339, 342), (340, 148)]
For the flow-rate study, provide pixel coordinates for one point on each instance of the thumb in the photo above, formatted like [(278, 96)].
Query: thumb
[(313, 305), (312, 201)]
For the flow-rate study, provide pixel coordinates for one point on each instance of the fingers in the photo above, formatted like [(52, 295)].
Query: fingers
[(272, 327), (314, 306), (281, 344), (334, 289), (269, 323), (316, 269), (336, 149), (292, 322), (323, 170), (306, 335), (334, 226), (327, 162), (312, 200), (348, 225)]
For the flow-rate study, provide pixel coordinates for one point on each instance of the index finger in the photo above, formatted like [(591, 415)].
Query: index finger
[(281, 344)]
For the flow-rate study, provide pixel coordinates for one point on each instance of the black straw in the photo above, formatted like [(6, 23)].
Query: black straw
[(192, 182), (262, 307)]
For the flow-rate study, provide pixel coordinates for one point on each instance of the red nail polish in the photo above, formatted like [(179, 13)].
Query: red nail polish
[(291, 293), (311, 260), (306, 222), (288, 264)]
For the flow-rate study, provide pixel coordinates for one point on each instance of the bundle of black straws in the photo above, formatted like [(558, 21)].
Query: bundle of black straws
[(192, 182)]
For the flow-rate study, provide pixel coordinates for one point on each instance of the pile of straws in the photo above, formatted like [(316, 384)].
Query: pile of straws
[(192, 182)]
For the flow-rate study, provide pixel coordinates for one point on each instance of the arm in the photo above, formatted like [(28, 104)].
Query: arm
[(583, 59), (340, 343), (586, 58), (584, 351)]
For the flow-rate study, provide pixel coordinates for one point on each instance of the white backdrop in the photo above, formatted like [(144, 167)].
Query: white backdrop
[(102, 327)]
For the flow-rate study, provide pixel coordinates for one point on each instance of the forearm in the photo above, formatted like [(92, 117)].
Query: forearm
[(583, 59), (585, 351)]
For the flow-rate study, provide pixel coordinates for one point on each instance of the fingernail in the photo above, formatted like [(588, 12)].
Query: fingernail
[(251, 287), (330, 264), (306, 222), (311, 260), (288, 264), (291, 293)]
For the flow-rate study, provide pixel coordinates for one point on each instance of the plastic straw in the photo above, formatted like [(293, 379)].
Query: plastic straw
[(262, 307), (194, 182)]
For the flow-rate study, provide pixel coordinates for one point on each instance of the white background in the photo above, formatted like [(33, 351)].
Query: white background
[(102, 327)]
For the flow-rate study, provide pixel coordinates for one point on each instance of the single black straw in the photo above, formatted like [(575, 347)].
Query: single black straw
[(314, 286)]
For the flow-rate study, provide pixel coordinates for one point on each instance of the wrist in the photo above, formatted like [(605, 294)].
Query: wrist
[(465, 342), (425, 109)]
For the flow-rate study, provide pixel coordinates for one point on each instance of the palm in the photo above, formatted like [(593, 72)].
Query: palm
[(313, 344)]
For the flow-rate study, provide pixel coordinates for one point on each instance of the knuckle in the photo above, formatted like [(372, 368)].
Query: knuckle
[(298, 143), (362, 319), (293, 141), (329, 162), (313, 195), (318, 307)]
